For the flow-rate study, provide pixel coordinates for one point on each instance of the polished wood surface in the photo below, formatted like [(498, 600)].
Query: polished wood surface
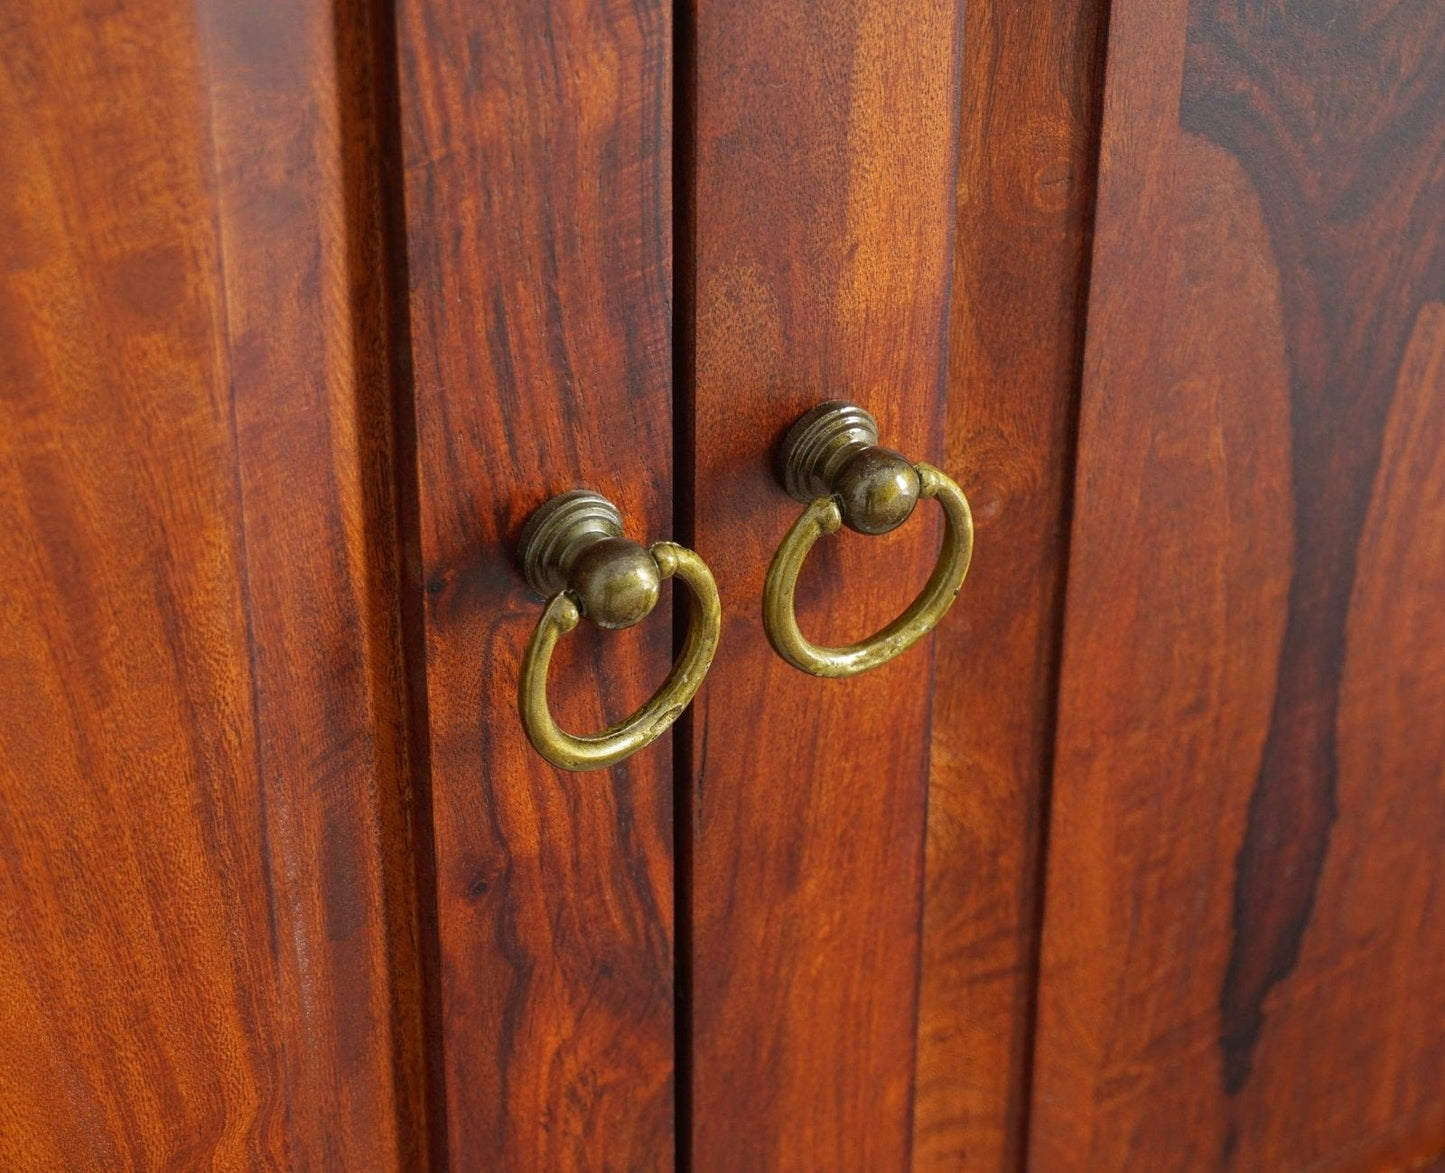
[(1031, 99), (538, 221), (207, 956), (304, 307), (1244, 947), (814, 264)]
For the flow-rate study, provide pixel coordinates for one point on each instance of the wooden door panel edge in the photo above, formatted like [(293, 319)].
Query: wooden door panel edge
[(1031, 100)]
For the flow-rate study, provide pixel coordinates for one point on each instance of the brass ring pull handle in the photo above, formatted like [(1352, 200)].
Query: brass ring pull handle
[(832, 462), (574, 555)]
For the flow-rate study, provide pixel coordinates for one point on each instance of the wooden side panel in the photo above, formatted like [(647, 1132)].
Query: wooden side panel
[(538, 164), (1031, 100), (298, 139), (820, 232), (1244, 952), (208, 956)]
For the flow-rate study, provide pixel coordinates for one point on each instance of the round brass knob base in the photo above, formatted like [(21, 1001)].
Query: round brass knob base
[(819, 444), (558, 533)]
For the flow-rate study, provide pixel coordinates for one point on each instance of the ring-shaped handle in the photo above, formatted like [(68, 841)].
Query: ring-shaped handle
[(645, 726), (825, 516)]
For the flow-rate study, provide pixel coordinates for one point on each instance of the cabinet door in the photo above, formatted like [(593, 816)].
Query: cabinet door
[(822, 142), (537, 150), (1244, 946), (207, 954)]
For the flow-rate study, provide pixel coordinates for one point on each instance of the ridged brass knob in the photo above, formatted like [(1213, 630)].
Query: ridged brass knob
[(574, 555), (831, 461)]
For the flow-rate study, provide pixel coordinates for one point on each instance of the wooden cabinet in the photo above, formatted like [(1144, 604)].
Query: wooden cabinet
[(1136, 864)]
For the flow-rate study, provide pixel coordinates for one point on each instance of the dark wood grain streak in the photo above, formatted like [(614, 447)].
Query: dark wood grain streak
[(1031, 99), (1343, 185), (824, 142), (537, 152), (210, 954), (1244, 951)]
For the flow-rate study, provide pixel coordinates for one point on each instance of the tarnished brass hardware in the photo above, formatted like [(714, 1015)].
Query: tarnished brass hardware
[(574, 555), (831, 461)]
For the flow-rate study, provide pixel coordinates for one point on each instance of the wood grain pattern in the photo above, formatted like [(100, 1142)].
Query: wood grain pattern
[(209, 955), (821, 195), (1031, 100), (1244, 952), (537, 150)]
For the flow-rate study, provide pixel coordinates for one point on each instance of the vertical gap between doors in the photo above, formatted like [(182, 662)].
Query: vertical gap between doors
[(1097, 66), (684, 464), (424, 983)]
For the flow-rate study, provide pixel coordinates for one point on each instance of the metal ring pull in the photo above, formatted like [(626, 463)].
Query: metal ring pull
[(832, 462), (574, 555)]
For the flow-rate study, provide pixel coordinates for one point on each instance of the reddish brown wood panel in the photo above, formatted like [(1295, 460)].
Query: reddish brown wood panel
[(208, 955), (821, 190), (538, 190), (1244, 952), (1031, 99)]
